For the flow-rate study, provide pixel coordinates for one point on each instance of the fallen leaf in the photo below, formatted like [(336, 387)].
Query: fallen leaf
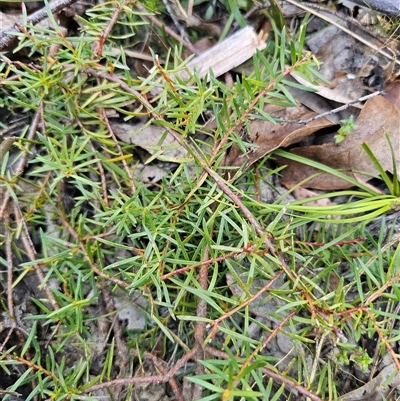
[(152, 138), (320, 105), (378, 118), (393, 94), (269, 136)]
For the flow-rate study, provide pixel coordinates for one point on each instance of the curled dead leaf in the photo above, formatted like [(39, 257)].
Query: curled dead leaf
[(393, 93), (269, 136), (379, 118), (153, 138)]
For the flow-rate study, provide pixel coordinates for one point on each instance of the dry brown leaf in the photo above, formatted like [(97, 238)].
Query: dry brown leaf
[(377, 118), (268, 136), (393, 94), (321, 105), (151, 137)]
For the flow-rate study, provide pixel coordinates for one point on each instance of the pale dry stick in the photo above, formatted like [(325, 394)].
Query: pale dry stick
[(334, 111), (318, 350), (352, 34), (7, 36), (190, 8), (168, 30), (10, 393), (115, 51), (124, 163), (270, 373), (226, 55)]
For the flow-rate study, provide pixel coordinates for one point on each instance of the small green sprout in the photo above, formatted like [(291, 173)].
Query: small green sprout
[(345, 130)]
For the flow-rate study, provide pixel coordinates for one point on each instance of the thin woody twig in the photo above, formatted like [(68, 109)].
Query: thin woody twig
[(10, 268), (170, 32), (122, 349), (334, 111), (270, 373), (109, 27), (31, 252), (195, 266), (263, 345), (171, 13), (344, 29), (390, 7), (216, 322), (23, 161), (172, 381), (7, 35), (118, 146), (10, 272), (147, 379), (200, 327), (82, 247)]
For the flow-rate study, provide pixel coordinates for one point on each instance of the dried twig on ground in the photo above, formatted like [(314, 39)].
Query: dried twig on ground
[(7, 37)]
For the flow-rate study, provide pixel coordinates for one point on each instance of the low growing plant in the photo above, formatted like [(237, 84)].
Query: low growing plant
[(79, 230)]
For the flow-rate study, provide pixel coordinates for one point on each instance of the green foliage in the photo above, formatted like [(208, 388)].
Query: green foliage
[(115, 232), (345, 130)]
